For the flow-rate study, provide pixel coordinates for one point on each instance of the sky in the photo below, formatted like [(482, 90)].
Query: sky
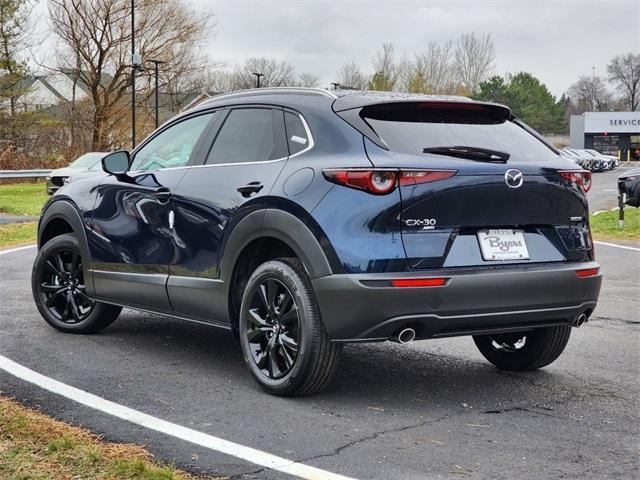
[(557, 41)]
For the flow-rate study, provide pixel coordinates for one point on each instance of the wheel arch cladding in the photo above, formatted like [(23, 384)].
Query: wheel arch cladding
[(59, 218), (264, 235)]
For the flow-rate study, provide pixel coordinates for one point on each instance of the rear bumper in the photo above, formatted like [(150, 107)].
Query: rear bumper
[(472, 302)]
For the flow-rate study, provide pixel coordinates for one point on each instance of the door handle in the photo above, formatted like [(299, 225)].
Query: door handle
[(249, 189)]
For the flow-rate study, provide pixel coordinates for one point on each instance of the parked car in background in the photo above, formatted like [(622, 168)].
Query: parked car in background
[(303, 219), (88, 162), (577, 159), (615, 161), (629, 184)]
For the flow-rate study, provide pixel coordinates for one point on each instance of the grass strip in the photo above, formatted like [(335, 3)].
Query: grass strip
[(36, 447), (604, 226), (14, 234), (22, 198)]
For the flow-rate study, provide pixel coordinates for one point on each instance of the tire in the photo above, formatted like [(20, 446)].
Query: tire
[(541, 347), (279, 310), (57, 284)]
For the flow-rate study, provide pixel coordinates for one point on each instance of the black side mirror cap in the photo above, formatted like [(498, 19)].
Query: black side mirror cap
[(117, 163)]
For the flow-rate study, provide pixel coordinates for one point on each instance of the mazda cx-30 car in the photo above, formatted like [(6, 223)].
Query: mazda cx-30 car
[(304, 219)]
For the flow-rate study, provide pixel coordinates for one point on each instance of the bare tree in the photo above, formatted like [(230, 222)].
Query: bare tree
[(95, 41), (406, 73), (474, 59), (624, 74), (307, 80), (385, 69), (589, 94), (436, 67), (220, 81), (350, 76), (274, 73)]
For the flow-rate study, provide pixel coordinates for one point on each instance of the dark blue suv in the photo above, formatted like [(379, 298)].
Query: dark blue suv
[(303, 219)]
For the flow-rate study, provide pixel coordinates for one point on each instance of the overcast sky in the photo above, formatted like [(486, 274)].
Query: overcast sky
[(555, 40)]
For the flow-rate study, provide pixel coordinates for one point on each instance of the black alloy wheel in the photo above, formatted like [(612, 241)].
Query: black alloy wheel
[(528, 350), (59, 290), (273, 334), (62, 287), (282, 336)]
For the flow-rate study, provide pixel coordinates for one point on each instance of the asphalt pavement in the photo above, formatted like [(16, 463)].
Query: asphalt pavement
[(434, 409)]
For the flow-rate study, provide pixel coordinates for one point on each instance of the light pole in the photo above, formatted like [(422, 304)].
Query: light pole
[(133, 76), (157, 71), (258, 75)]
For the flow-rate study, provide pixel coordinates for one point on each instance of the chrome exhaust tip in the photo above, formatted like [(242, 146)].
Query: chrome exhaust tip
[(580, 320), (406, 335)]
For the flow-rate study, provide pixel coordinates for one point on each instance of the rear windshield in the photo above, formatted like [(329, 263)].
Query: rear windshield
[(410, 128)]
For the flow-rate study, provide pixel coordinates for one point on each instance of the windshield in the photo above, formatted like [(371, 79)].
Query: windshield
[(87, 160), (414, 129)]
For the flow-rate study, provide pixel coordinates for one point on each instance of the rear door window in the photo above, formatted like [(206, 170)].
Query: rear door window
[(297, 136), (249, 135), (412, 127)]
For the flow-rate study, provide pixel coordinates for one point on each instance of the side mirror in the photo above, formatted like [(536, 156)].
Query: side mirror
[(116, 163)]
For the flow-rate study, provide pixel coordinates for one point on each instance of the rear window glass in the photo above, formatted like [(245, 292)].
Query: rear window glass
[(410, 128), (297, 137)]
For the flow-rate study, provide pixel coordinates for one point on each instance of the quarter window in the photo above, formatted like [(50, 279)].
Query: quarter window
[(297, 136), (249, 135), (171, 147)]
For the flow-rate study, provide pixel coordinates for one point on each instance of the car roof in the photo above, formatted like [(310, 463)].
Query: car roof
[(339, 99), (284, 96)]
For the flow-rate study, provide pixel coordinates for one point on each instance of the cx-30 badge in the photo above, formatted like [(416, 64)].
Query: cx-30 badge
[(513, 178)]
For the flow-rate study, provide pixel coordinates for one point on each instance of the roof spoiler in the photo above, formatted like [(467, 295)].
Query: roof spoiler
[(351, 107)]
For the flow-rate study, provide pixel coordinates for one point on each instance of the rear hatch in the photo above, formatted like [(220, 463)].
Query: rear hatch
[(497, 196)]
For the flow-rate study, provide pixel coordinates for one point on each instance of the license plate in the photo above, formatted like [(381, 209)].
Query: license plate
[(503, 245)]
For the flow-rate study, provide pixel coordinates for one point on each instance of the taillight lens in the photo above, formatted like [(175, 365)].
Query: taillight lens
[(380, 182), (377, 182), (580, 177), (424, 176)]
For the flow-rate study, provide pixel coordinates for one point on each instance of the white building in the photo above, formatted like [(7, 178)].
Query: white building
[(611, 133)]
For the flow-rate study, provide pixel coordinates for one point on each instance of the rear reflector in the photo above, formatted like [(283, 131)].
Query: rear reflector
[(419, 282), (587, 272)]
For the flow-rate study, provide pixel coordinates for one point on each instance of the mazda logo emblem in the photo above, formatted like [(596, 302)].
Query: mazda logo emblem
[(513, 178)]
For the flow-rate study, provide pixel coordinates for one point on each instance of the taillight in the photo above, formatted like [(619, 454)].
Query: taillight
[(377, 182), (380, 182), (424, 176), (587, 272), (580, 177), (419, 282)]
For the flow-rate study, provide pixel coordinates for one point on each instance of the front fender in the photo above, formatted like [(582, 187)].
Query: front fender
[(64, 210)]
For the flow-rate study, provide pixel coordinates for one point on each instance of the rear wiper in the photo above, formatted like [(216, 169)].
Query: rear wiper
[(472, 153)]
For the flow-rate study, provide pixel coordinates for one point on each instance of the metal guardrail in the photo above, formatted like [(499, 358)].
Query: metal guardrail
[(4, 174)]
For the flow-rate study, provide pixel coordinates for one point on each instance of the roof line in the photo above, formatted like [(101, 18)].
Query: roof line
[(270, 90)]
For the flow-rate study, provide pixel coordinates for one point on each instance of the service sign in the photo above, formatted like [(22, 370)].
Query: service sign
[(612, 122)]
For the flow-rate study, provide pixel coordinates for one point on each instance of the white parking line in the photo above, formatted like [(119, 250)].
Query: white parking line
[(90, 400), (615, 245), (221, 445), (17, 249)]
